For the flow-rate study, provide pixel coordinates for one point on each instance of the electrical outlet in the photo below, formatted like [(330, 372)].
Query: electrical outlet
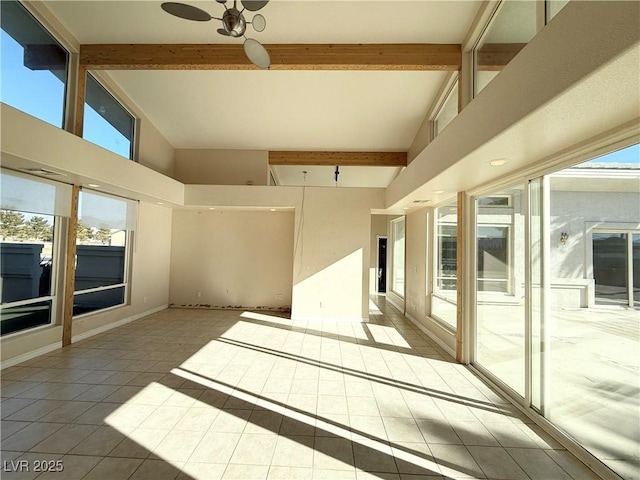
[(144, 300), (279, 296), (198, 294)]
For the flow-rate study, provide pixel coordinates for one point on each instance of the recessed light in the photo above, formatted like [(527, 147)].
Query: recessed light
[(160, 203), (405, 208), (272, 209), (93, 185), (438, 192), (211, 208), (498, 161)]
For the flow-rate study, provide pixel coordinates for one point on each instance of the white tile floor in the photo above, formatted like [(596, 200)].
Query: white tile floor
[(199, 394)]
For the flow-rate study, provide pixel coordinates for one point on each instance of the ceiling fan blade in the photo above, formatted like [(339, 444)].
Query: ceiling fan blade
[(254, 5), (221, 1), (259, 23), (187, 12), (222, 31), (256, 52)]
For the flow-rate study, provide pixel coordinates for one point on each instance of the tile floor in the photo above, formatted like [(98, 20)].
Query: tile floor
[(199, 394)]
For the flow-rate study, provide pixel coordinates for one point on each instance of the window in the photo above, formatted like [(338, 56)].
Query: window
[(444, 298), (497, 201), (493, 258), (499, 286), (511, 28), (34, 65), (570, 240), (593, 240), (106, 122), (105, 226), (616, 267), (28, 252), (397, 232), (448, 111)]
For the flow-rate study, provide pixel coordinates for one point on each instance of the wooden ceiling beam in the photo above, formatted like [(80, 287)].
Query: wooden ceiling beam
[(343, 159), (409, 56), (493, 57)]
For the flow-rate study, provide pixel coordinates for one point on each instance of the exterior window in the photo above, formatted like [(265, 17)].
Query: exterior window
[(397, 232), (500, 277), (510, 29), (28, 251), (106, 122), (444, 298), (496, 201), (493, 258), (34, 65), (569, 245), (448, 111), (593, 293), (104, 233), (616, 268)]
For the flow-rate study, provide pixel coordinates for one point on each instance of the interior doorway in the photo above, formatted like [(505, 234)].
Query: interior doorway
[(382, 265)]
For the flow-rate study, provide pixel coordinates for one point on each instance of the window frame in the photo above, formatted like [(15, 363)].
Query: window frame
[(58, 253), (133, 149), (611, 227), (452, 86), (435, 258), (395, 222), (70, 83), (128, 259)]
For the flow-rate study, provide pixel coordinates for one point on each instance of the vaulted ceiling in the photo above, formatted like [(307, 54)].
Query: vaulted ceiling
[(280, 110)]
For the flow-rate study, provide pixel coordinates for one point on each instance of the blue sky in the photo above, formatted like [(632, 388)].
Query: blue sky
[(41, 94), (626, 155)]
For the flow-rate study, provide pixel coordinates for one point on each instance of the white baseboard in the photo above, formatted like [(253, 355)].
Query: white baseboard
[(119, 323), (431, 335), (29, 355), (391, 299)]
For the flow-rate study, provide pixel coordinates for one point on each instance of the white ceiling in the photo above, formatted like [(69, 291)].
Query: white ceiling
[(280, 110), (284, 110), (288, 21), (376, 177)]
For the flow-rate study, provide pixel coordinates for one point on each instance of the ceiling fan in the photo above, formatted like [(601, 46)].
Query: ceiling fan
[(233, 24)]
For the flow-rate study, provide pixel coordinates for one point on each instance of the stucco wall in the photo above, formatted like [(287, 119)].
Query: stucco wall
[(223, 259)]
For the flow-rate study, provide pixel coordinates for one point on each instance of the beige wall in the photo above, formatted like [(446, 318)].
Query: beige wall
[(222, 167), (149, 287), (153, 150), (29, 142), (233, 258), (331, 268), (415, 264)]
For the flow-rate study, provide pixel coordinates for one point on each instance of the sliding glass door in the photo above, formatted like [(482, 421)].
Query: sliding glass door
[(499, 282), (557, 314)]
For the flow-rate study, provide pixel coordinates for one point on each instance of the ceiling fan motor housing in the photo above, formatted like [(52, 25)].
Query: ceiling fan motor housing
[(234, 23)]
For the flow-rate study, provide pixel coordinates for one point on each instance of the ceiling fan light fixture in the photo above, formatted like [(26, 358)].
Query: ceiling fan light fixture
[(234, 23), (259, 23), (187, 12), (256, 52), (254, 5)]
